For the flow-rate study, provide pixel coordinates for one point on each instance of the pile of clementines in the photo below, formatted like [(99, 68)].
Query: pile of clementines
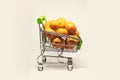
[(61, 26)]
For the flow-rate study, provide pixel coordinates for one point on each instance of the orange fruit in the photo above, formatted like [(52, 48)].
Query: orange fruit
[(61, 22), (70, 42), (62, 31), (69, 45), (53, 24), (77, 33), (51, 36), (70, 26), (58, 42), (46, 25), (74, 40)]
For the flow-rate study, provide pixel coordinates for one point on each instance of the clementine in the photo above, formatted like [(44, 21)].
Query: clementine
[(61, 22), (70, 26), (53, 24), (58, 42), (51, 36), (62, 31)]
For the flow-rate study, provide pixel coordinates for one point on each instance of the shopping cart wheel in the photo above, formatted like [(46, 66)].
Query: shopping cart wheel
[(40, 67), (44, 59), (70, 67)]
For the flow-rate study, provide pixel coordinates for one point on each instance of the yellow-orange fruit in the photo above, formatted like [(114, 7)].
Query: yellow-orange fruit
[(69, 45), (70, 26), (47, 25), (77, 33), (61, 22), (51, 36), (62, 31), (58, 42), (74, 40), (53, 24), (70, 42)]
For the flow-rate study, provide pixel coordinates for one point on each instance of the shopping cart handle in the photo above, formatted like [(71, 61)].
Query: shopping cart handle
[(39, 21), (43, 18)]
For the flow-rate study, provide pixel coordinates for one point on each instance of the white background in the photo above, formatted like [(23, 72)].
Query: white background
[(19, 40)]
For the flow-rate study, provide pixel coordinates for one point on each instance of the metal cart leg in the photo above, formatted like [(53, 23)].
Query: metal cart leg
[(70, 64), (40, 65)]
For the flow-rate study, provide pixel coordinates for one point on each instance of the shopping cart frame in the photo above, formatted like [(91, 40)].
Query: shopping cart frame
[(44, 40)]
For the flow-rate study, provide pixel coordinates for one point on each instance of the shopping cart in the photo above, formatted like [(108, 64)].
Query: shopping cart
[(46, 46)]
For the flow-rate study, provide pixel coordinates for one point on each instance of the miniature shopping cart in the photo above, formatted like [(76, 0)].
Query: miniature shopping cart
[(46, 46)]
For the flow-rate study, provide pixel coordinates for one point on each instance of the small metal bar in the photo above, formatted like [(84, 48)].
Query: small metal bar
[(56, 56), (55, 63)]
